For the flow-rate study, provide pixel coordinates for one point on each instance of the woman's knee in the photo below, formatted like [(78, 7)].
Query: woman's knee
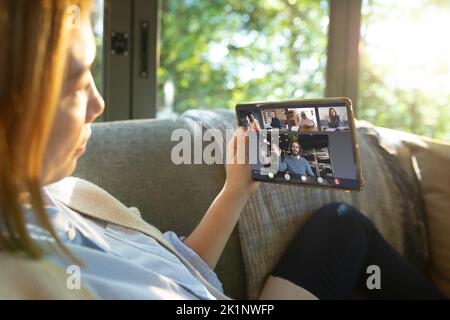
[(339, 214)]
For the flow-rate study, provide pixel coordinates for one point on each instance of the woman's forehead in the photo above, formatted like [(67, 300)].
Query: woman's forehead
[(82, 49)]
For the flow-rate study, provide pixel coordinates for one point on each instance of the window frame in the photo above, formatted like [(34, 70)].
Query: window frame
[(128, 95), (342, 74)]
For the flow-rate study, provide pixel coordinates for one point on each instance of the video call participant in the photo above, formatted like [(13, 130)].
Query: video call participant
[(305, 123), (294, 163), (275, 122), (334, 121), (253, 122)]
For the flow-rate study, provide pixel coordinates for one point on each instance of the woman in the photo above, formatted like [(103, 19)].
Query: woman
[(253, 122), (48, 101), (334, 121), (305, 123)]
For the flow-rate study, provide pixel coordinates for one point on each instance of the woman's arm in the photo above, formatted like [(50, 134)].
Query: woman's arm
[(257, 125), (308, 124), (212, 233)]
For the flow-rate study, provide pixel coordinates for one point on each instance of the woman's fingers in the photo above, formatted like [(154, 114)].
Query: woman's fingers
[(238, 147)]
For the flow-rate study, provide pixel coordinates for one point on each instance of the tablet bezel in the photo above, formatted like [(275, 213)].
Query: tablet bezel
[(249, 106)]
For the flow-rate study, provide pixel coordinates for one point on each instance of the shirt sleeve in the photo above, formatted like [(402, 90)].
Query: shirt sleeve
[(194, 259), (308, 169), (282, 165)]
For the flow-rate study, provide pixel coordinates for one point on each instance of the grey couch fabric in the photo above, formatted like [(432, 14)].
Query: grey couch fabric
[(275, 213), (132, 161)]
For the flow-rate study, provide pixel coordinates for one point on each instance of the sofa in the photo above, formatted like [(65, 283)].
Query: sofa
[(132, 161)]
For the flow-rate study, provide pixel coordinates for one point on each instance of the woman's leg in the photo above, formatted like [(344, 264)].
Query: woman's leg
[(330, 255)]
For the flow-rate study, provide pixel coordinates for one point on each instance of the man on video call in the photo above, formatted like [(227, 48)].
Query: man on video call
[(294, 163)]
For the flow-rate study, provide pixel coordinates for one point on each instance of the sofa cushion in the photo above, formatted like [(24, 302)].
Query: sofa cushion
[(432, 161), (132, 161), (276, 212), (391, 199)]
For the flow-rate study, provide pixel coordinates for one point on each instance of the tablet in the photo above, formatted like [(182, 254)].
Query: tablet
[(303, 142)]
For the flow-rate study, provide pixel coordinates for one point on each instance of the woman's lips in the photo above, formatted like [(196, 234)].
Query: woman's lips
[(82, 149)]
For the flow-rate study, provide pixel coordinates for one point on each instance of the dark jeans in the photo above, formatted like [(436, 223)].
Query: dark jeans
[(331, 253)]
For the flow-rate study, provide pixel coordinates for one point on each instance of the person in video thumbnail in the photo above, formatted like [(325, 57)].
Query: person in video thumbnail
[(305, 123), (253, 122), (334, 121), (294, 163), (275, 123)]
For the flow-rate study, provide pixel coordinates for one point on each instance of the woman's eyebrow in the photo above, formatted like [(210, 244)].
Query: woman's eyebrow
[(79, 69)]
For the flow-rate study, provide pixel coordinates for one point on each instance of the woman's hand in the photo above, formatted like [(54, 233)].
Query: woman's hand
[(276, 150), (239, 180)]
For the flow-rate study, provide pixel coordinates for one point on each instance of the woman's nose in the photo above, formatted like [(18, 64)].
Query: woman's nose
[(96, 105), (99, 105)]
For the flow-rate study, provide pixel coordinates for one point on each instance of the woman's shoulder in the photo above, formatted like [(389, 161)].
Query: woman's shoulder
[(26, 278)]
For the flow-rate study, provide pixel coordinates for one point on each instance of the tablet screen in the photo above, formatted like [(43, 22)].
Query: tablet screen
[(303, 143)]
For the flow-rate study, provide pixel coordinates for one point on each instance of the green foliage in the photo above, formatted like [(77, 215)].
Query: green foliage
[(218, 53), (97, 71), (415, 109), (97, 23), (294, 138)]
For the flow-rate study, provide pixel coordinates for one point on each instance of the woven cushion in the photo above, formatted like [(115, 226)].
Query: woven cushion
[(274, 215), (433, 160), (391, 199)]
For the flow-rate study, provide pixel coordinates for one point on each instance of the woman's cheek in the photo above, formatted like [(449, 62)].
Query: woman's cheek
[(77, 119), (70, 120)]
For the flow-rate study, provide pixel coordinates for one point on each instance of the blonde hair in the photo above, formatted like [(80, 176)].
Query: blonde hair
[(33, 56)]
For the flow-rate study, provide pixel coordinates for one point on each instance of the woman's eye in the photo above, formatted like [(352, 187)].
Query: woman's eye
[(84, 86), (78, 98), (82, 92)]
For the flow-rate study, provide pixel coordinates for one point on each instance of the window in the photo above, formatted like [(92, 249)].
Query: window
[(405, 61), (97, 25), (215, 54)]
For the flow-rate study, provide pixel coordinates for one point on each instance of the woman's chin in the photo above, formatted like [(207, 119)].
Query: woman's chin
[(62, 173)]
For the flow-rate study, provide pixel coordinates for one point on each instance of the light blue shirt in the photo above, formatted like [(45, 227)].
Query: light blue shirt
[(120, 263)]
